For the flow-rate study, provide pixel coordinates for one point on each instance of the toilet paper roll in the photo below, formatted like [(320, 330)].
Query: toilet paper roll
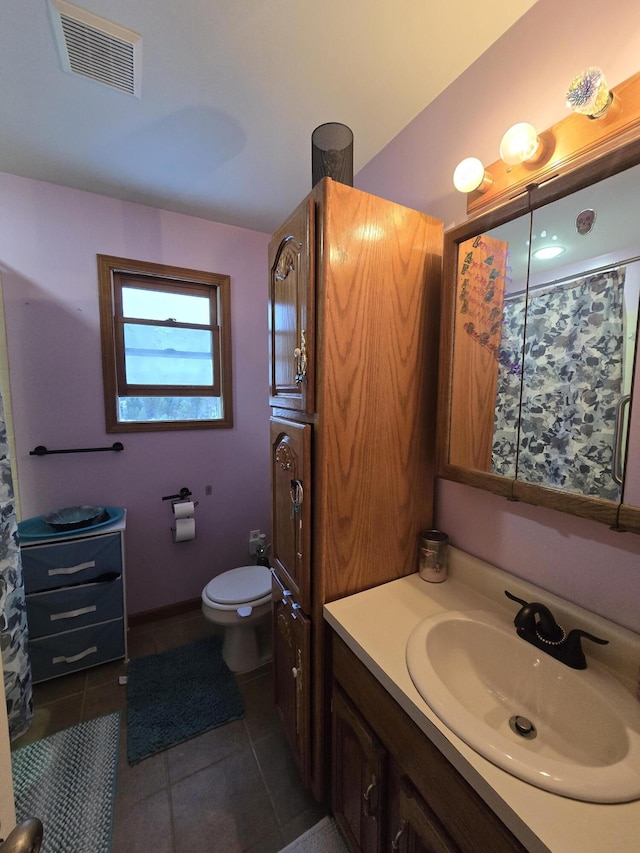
[(184, 530), (183, 509)]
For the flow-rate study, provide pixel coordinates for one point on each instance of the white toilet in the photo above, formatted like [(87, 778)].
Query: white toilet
[(240, 600)]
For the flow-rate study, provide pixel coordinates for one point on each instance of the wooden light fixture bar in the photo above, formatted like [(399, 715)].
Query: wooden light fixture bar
[(565, 146)]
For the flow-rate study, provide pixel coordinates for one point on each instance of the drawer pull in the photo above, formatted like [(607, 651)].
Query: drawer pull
[(62, 659), (395, 844), (367, 796), (71, 614), (72, 569)]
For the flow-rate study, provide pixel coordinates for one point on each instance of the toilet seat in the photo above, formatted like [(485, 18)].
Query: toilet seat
[(237, 587)]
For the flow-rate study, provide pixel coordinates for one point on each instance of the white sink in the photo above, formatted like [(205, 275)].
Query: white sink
[(476, 674)]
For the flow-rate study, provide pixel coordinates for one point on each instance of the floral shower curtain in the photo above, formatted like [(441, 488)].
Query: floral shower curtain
[(571, 384), (13, 611)]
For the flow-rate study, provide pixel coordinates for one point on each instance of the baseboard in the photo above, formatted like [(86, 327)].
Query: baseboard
[(163, 612)]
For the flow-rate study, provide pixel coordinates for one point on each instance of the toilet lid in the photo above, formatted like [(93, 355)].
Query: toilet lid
[(240, 585)]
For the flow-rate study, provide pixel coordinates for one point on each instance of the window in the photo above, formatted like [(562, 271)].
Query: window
[(166, 346)]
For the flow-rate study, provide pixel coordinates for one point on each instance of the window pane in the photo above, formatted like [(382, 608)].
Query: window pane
[(158, 305), (161, 355), (151, 409)]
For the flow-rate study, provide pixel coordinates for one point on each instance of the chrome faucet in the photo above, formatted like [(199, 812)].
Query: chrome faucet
[(535, 623)]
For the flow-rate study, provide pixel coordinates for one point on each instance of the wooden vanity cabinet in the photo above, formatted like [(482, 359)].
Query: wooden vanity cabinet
[(358, 794), (414, 828), (354, 288), (421, 804)]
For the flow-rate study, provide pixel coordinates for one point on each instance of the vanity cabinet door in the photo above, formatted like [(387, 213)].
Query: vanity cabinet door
[(291, 312), (292, 677), (291, 507), (359, 777), (414, 828)]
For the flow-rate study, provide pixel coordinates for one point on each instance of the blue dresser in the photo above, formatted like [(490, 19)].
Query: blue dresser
[(74, 585)]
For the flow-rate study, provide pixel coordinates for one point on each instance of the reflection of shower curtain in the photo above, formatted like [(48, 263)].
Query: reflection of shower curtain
[(13, 612), (572, 381)]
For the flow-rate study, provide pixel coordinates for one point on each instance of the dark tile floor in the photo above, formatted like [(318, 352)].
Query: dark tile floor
[(232, 789)]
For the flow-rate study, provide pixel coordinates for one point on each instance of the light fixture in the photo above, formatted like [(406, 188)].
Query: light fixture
[(519, 144), (546, 253), (589, 93), (470, 175)]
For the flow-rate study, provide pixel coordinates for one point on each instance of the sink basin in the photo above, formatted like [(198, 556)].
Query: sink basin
[(489, 686)]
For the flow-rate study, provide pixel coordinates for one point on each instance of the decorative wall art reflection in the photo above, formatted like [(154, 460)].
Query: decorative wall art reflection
[(572, 372)]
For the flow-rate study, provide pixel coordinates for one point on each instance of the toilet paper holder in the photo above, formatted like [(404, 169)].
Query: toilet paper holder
[(182, 508), (181, 496)]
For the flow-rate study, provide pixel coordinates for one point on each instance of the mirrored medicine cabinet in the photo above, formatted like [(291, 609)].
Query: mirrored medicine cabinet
[(538, 345)]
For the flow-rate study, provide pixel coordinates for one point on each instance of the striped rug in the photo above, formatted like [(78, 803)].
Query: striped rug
[(324, 837), (68, 781)]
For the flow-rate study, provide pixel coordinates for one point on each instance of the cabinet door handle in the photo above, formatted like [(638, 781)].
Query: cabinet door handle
[(286, 593), (296, 493), (71, 614), (73, 658), (300, 358), (395, 844), (71, 570), (367, 796)]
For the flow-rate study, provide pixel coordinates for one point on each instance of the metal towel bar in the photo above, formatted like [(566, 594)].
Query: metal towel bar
[(41, 450)]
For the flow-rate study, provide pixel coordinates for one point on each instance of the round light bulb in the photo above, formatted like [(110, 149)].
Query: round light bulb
[(588, 93), (469, 175), (520, 143)]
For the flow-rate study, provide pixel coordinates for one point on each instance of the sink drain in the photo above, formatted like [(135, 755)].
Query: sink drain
[(523, 727)]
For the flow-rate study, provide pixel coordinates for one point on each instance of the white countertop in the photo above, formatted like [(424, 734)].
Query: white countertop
[(376, 625)]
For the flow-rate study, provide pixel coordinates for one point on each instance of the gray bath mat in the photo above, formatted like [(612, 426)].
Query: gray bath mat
[(177, 695)]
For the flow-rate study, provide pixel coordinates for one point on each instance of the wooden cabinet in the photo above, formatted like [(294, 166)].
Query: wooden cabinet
[(358, 791), (419, 802), (353, 320), (74, 589), (291, 311), (291, 507), (414, 828), (291, 651)]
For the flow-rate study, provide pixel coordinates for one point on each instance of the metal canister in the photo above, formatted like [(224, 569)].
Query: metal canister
[(433, 552)]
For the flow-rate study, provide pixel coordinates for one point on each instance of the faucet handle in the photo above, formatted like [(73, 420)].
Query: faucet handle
[(515, 598), (577, 633)]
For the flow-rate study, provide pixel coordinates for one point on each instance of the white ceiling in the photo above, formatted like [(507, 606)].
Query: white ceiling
[(231, 92)]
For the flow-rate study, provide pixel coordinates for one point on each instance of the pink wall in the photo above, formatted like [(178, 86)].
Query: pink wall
[(49, 238), (523, 77)]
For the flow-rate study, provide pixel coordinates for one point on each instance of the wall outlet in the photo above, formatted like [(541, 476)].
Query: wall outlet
[(255, 538)]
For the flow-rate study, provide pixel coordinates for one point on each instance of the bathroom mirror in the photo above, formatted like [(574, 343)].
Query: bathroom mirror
[(539, 345)]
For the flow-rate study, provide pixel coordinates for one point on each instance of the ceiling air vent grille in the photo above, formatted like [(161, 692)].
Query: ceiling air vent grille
[(96, 48)]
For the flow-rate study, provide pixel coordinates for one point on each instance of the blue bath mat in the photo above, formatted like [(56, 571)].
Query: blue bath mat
[(177, 695), (68, 781)]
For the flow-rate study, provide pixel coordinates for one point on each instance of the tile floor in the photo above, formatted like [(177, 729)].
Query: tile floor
[(233, 789)]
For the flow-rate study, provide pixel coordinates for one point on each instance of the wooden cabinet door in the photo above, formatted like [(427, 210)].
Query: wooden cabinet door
[(291, 507), (358, 777), (292, 681), (414, 828), (291, 312)]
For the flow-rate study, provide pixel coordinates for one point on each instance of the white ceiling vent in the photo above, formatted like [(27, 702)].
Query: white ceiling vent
[(96, 48)]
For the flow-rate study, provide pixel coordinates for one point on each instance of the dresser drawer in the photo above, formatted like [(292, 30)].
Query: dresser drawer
[(70, 563), (63, 653), (59, 610)]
